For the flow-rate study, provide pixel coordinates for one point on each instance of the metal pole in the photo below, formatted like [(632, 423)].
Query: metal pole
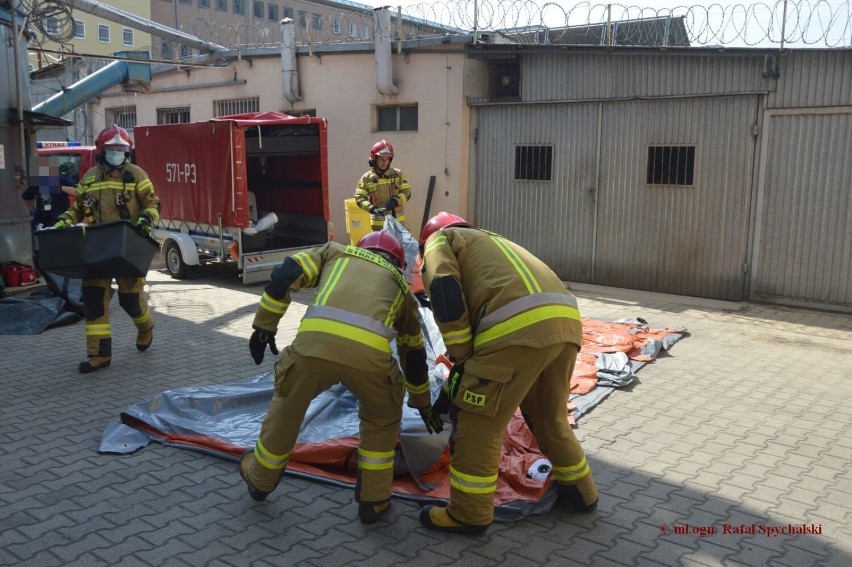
[(19, 84), (783, 24)]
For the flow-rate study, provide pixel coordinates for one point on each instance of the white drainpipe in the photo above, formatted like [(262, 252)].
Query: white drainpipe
[(289, 70), (384, 67)]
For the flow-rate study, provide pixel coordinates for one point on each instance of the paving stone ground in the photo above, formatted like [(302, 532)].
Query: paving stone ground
[(742, 433)]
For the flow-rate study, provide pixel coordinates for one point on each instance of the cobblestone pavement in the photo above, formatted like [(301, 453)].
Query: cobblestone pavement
[(742, 434)]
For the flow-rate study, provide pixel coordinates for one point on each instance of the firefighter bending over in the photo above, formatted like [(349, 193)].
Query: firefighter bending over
[(114, 189), (514, 331), (383, 190), (363, 303)]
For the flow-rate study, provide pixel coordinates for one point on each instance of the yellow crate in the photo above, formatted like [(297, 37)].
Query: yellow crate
[(357, 221)]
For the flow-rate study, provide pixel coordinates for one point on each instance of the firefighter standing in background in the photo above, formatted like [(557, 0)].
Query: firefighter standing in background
[(113, 190), (384, 189), (363, 303), (514, 331)]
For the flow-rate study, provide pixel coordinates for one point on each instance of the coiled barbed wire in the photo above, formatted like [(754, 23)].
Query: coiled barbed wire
[(803, 23)]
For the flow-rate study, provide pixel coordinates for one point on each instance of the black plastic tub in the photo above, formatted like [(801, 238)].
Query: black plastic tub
[(110, 250)]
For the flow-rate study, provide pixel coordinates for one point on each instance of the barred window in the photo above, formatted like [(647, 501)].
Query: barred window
[(127, 36), (670, 165), (103, 33), (316, 21), (396, 118), (173, 115), (124, 116), (303, 19), (79, 29), (236, 106), (353, 30), (222, 5), (534, 163), (273, 12), (288, 13), (239, 7), (336, 28), (204, 4), (257, 9)]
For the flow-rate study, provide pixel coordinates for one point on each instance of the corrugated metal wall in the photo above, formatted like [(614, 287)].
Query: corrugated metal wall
[(804, 245), (599, 222)]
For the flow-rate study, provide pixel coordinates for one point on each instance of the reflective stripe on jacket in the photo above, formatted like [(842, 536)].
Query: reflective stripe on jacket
[(377, 189)]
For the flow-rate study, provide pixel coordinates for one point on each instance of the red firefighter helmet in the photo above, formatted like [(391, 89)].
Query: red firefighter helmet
[(382, 241), (380, 148), (439, 221), (114, 135)]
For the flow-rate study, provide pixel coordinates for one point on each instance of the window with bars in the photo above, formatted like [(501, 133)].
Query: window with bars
[(396, 118), (236, 106), (127, 36), (365, 32), (273, 12), (124, 116), (288, 13), (670, 165), (257, 9), (185, 51), (79, 29), (316, 21), (336, 28), (204, 4), (103, 33), (533, 163), (173, 115), (166, 50), (222, 5), (239, 7), (353, 30), (303, 19)]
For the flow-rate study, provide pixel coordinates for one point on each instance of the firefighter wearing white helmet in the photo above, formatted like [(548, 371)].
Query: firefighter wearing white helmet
[(514, 331), (383, 189), (114, 189), (362, 305)]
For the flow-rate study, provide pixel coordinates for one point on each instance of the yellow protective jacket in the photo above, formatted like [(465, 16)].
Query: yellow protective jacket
[(487, 292), (106, 195), (363, 303), (376, 189)]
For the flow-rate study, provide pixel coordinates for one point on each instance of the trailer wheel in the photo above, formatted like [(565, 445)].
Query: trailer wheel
[(174, 261)]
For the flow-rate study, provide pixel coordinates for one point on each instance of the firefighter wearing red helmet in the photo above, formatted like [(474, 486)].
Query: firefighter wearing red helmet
[(383, 189), (114, 189), (513, 331), (363, 304)]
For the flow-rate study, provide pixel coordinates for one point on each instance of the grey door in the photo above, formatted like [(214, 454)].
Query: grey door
[(553, 218)]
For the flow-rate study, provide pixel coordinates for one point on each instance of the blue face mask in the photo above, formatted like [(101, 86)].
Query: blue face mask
[(114, 158)]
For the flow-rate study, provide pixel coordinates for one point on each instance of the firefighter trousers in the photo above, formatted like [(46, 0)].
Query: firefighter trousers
[(96, 300), (300, 379), (492, 387)]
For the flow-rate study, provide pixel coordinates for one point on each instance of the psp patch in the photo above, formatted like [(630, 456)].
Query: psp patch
[(473, 398)]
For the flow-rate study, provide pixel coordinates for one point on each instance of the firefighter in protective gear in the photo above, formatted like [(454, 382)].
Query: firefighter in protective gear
[(383, 190), (113, 190), (363, 303), (513, 331)]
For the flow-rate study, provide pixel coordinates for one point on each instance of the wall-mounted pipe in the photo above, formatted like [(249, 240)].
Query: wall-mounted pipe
[(384, 66), (289, 69), (90, 87)]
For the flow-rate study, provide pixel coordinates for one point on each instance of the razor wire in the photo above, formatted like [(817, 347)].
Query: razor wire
[(805, 23)]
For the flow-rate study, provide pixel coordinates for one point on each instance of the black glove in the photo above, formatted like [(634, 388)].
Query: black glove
[(392, 203), (448, 392), (434, 424), (377, 211), (145, 223), (258, 342)]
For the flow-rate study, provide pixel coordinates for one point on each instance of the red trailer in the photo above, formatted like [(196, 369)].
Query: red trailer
[(217, 179)]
